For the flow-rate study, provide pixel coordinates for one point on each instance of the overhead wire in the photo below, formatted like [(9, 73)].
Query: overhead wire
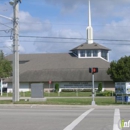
[(6, 25), (64, 38), (44, 37)]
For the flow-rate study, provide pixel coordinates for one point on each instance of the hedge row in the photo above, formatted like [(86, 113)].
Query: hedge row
[(75, 90)]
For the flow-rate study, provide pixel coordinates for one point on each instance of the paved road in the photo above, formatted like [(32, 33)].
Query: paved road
[(62, 117)]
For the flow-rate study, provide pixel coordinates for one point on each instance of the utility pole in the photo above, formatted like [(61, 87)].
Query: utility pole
[(15, 51), (15, 81)]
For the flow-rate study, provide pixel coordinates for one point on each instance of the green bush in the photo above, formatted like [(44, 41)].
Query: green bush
[(86, 90), (105, 93), (75, 90), (100, 87), (68, 90), (56, 87)]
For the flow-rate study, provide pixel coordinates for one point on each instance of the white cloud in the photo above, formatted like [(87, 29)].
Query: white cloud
[(101, 6), (116, 31), (58, 45), (32, 24), (8, 49)]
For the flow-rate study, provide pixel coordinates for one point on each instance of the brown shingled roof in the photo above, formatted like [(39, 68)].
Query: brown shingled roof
[(94, 46)]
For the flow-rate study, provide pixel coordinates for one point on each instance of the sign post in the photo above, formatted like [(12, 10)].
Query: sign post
[(93, 70), (93, 91), (122, 92), (49, 86)]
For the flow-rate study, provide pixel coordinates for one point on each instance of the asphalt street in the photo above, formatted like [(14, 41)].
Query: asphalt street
[(32, 117)]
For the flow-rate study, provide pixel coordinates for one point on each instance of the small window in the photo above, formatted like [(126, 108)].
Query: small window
[(104, 54), (82, 53), (95, 53), (88, 53)]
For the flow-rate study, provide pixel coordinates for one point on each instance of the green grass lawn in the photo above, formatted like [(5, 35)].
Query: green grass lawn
[(68, 94), (81, 101), (70, 101), (67, 101), (54, 94)]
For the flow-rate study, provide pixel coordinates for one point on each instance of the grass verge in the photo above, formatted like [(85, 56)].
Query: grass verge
[(69, 101)]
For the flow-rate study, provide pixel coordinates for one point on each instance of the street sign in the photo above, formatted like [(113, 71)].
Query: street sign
[(122, 87)]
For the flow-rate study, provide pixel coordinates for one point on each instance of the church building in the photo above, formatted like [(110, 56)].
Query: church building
[(69, 70)]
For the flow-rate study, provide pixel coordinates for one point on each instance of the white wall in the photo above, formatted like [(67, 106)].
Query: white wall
[(98, 55), (78, 85), (23, 87)]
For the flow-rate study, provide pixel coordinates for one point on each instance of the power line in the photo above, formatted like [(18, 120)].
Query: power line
[(53, 37), (4, 36), (36, 42), (64, 38), (6, 25), (72, 38), (72, 24), (4, 30)]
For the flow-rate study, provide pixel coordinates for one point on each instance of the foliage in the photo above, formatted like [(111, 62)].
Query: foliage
[(5, 66), (75, 90), (100, 87), (1, 55), (105, 93), (56, 87), (119, 71)]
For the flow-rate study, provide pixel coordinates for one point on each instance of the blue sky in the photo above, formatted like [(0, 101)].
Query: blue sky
[(69, 19)]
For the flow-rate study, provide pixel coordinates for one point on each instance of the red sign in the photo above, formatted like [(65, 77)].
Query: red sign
[(49, 81)]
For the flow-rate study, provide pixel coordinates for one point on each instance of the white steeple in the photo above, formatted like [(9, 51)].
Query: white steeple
[(89, 28)]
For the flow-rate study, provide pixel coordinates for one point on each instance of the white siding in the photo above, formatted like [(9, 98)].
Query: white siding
[(23, 87)]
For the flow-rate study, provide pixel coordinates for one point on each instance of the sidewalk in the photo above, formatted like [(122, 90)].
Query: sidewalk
[(25, 98)]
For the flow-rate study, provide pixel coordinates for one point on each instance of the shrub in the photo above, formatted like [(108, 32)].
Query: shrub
[(105, 93), (56, 87), (75, 90), (86, 90), (68, 90), (100, 87)]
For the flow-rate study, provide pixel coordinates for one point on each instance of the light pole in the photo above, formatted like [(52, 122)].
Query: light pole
[(15, 5)]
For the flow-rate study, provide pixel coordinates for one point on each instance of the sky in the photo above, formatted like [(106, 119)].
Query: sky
[(48, 26)]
